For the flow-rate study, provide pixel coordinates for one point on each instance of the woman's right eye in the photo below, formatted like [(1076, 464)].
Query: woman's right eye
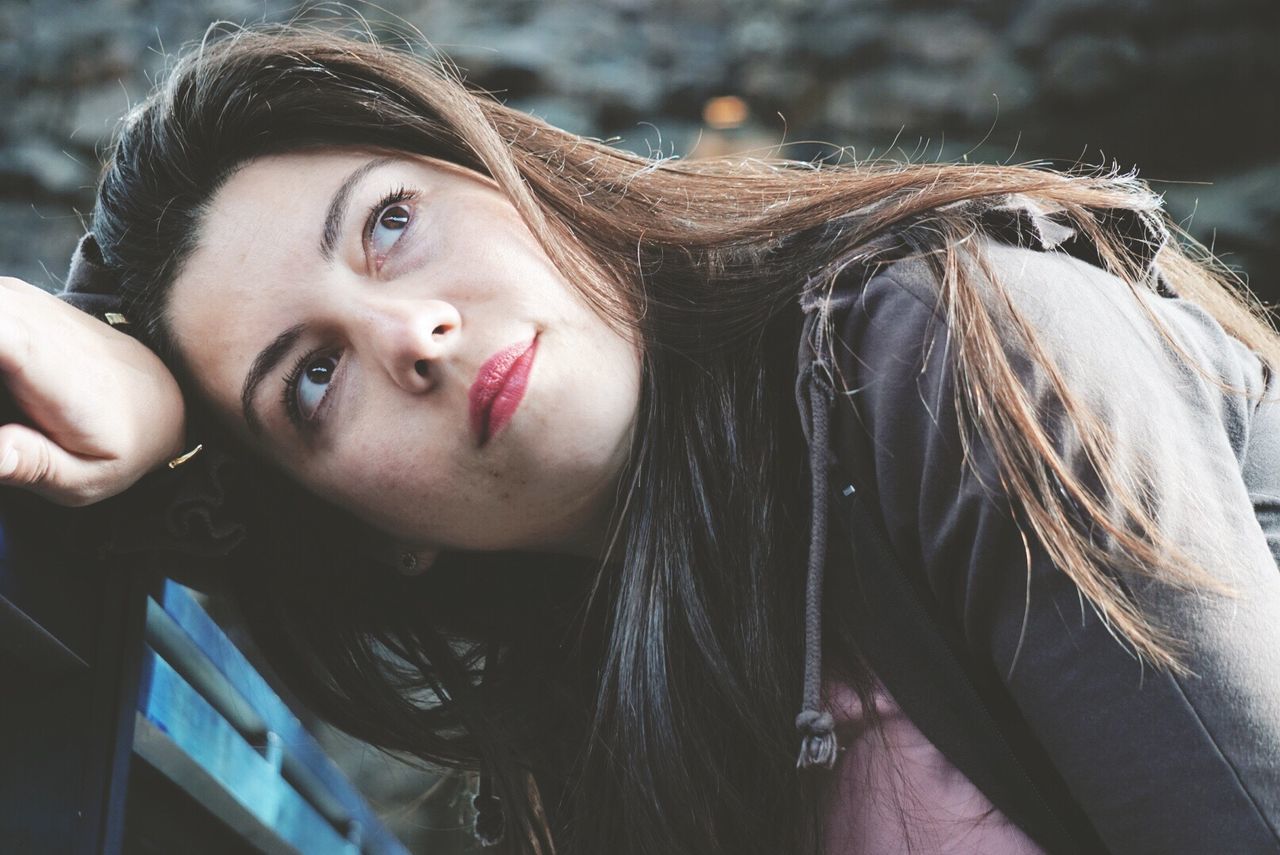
[(308, 384), (391, 223), (388, 220)]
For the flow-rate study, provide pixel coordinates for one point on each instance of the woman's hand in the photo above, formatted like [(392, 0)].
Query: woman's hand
[(96, 410)]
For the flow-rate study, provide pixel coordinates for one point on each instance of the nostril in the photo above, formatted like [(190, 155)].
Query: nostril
[(421, 367)]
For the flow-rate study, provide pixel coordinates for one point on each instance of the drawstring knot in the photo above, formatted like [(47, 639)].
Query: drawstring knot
[(818, 739)]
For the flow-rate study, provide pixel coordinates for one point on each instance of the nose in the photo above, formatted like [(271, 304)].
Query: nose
[(410, 338)]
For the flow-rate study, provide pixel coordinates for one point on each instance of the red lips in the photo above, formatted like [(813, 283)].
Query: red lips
[(498, 388)]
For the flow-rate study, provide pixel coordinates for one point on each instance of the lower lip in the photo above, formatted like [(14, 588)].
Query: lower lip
[(489, 421)]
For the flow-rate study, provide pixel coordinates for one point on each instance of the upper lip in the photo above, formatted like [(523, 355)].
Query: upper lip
[(490, 379)]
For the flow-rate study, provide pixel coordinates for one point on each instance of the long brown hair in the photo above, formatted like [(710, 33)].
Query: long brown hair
[(643, 703)]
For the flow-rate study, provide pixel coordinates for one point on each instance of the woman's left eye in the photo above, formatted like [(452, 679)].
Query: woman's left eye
[(387, 224), (307, 385)]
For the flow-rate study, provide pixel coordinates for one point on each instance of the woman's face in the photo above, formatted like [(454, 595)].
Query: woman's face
[(371, 322)]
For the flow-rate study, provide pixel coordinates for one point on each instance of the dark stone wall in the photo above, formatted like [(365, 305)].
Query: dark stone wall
[(1183, 90)]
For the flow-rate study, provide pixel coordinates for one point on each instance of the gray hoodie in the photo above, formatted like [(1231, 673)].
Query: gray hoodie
[(989, 649)]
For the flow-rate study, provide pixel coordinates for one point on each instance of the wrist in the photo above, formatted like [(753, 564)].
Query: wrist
[(179, 448)]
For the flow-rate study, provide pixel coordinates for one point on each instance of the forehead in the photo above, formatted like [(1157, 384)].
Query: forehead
[(261, 202)]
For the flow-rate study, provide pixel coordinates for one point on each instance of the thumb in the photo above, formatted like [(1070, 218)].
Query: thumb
[(31, 461)]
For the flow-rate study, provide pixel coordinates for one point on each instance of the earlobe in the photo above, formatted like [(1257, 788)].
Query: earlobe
[(415, 562), (401, 557)]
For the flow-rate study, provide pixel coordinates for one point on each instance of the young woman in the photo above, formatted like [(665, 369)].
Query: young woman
[(527, 455)]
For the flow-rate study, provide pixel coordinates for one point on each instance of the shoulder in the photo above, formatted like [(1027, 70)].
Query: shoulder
[(1104, 336), (1168, 425)]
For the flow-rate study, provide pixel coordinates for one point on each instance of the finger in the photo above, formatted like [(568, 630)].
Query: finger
[(54, 381), (15, 341), (31, 461)]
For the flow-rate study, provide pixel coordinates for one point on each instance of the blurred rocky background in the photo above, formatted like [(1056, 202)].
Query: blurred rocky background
[(1183, 90)]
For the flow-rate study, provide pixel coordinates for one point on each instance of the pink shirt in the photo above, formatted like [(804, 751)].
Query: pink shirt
[(884, 793)]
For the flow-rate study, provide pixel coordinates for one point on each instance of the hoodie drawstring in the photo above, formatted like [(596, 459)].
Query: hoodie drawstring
[(816, 726)]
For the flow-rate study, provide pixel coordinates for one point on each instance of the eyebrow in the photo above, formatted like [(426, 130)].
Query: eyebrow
[(338, 204), (266, 360)]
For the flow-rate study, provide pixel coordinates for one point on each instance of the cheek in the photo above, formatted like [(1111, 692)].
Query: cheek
[(399, 483)]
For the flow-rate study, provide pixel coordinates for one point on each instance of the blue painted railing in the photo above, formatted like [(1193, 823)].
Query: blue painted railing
[(129, 722), (211, 724)]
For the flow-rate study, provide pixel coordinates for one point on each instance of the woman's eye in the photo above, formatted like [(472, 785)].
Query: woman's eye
[(388, 225), (313, 384)]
